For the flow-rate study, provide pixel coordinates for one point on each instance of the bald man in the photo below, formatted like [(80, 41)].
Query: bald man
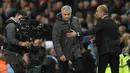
[(37, 43), (107, 40)]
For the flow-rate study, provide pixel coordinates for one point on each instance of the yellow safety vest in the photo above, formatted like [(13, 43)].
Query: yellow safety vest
[(123, 67)]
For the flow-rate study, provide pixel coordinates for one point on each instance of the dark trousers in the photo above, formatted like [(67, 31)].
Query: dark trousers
[(88, 63), (14, 60), (64, 66), (112, 59)]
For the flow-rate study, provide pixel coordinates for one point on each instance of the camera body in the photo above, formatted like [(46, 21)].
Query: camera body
[(29, 29)]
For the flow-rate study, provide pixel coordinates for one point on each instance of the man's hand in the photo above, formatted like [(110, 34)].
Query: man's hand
[(92, 40), (62, 58), (24, 44), (70, 62), (71, 34)]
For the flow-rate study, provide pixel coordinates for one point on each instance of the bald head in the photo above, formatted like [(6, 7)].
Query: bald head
[(102, 8), (37, 42), (101, 11)]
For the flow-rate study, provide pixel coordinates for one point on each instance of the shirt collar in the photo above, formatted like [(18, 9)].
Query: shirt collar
[(13, 19), (104, 16)]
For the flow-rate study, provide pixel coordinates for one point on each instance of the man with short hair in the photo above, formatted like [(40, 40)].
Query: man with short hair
[(14, 46), (67, 48)]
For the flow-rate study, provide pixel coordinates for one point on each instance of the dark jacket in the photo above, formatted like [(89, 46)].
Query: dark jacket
[(70, 47), (12, 37), (107, 36), (50, 65)]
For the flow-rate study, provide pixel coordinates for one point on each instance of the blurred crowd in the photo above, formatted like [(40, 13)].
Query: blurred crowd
[(45, 11)]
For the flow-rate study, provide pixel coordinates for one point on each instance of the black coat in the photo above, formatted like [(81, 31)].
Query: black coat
[(70, 47), (107, 36)]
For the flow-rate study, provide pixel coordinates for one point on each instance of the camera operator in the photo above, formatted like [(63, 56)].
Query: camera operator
[(34, 53), (14, 46)]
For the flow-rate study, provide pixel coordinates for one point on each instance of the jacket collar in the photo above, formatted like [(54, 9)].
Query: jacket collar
[(60, 19), (105, 16)]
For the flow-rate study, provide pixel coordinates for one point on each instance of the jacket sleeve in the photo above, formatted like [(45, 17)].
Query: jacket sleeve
[(95, 29), (10, 32), (56, 35)]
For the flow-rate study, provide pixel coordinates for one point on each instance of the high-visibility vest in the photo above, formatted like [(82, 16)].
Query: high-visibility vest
[(108, 69), (121, 63), (123, 67)]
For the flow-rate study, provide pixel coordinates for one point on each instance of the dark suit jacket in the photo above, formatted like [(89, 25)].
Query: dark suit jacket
[(107, 36)]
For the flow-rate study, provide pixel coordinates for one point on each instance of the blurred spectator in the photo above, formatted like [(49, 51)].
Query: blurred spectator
[(26, 58), (127, 7), (57, 7), (87, 8), (79, 14), (3, 65), (7, 10), (86, 5), (126, 49), (22, 3), (51, 63), (117, 20), (34, 9), (80, 7), (117, 7), (124, 20), (42, 5), (38, 18), (50, 4), (46, 32), (51, 18), (123, 36), (46, 13), (26, 8), (35, 53), (128, 25), (113, 16), (94, 4), (89, 22)]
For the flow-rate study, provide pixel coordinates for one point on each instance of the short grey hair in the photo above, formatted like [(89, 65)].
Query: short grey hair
[(66, 7)]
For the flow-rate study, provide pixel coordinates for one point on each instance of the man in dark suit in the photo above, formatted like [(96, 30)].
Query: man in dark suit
[(67, 48), (107, 40)]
